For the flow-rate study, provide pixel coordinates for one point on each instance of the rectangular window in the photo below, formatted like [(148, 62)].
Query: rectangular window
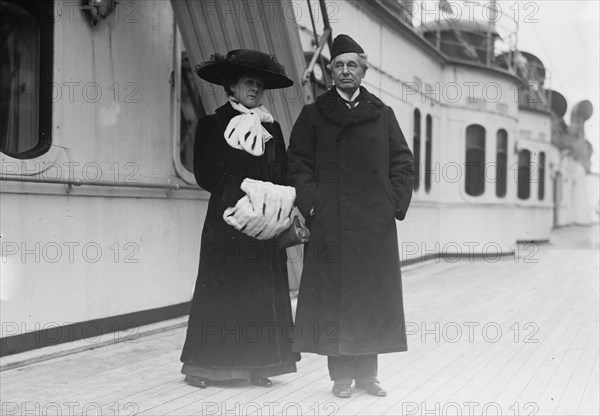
[(524, 174), (428, 138), (26, 47), (475, 160), (542, 175), (417, 147), (501, 162), (191, 109)]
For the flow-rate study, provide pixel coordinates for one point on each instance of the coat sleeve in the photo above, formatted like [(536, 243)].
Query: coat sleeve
[(280, 164), (401, 167), (301, 163), (213, 167)]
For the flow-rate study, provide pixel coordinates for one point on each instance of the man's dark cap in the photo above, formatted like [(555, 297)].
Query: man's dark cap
[(344, 44)]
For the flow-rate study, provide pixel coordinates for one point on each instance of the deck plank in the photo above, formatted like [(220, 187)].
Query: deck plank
[(441, 373)]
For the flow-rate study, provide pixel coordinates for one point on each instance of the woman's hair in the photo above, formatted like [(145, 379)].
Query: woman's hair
[(227, 85), (363, 61)]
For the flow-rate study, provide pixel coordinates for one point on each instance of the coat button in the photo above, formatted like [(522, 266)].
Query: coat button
[(347, 228), (344, 198), (372, 138), (374, 169)]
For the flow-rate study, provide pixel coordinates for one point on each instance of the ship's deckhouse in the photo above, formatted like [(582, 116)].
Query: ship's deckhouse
[(101, 215)]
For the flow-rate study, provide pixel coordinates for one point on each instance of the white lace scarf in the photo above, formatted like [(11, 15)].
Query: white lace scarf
[(245, 131)]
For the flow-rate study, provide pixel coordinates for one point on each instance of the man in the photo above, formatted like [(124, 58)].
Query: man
[(353, 174)]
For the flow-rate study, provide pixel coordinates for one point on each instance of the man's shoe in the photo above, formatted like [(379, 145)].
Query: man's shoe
[(342, 390), (373, 389), (197, 381), (262, 382)]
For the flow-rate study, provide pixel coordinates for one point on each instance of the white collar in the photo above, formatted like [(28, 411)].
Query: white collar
[(345, 96), (246, 132)]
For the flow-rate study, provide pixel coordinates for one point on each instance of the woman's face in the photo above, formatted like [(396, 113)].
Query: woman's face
[(248, 91)]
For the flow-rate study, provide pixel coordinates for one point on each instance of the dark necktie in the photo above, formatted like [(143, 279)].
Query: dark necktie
[(352, 103)]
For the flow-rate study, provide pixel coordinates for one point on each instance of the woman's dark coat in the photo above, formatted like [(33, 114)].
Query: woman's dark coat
[(241, 316), (356, 170)]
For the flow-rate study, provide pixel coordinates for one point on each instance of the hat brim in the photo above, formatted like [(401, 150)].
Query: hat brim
[(221, 72)]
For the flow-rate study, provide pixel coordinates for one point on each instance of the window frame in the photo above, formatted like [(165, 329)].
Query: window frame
[(542, 176), (43, 11), (481, 147), (416, 148), (501, 165), (524, 175), (182, 172), (428, 151)]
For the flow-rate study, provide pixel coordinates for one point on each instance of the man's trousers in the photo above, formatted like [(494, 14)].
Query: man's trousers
[(344, 368)]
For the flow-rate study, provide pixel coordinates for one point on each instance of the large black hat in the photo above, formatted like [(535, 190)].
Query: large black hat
[(344, 44), (221, 69)]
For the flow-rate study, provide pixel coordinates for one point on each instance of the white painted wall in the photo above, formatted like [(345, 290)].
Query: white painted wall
[(121, 131), (592, 211)]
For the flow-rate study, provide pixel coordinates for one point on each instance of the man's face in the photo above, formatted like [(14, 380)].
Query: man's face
[(248, 91), (347, 72)]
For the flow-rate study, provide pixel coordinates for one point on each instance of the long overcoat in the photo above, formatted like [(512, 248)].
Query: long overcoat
[(241, 315), (354, 170)]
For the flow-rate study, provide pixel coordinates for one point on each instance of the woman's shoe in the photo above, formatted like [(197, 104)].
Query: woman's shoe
[(262, 382), (197, 381)]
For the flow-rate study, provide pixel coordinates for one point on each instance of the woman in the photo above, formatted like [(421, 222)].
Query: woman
[(241, 320)]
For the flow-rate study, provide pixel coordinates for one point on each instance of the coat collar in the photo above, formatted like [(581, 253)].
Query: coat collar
[(226, 112), (332, 106)]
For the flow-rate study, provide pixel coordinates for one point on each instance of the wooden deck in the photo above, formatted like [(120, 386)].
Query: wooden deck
[(518, 336)]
